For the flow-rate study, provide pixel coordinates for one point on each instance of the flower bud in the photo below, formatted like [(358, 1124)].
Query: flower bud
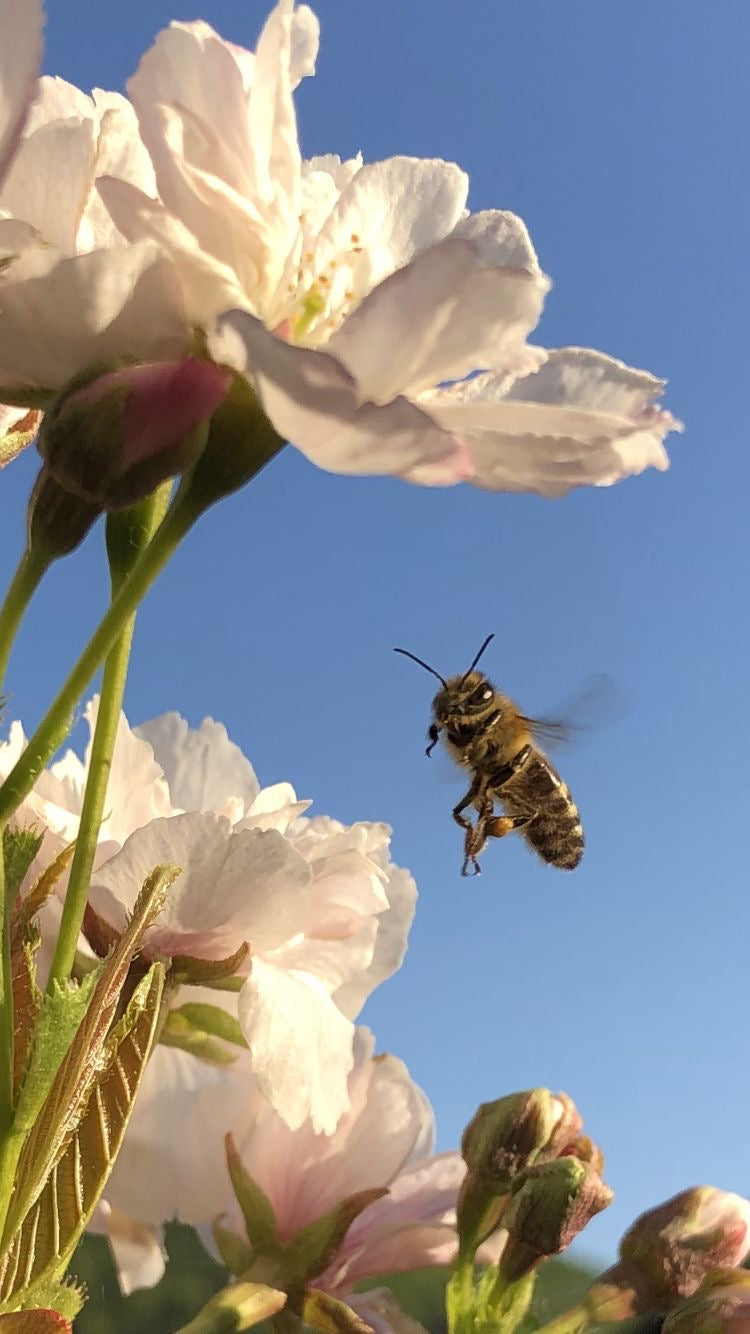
[(508, 1135), (668, 1251), (112, 436), (720, 1306), (553, 1203), (57, 522)]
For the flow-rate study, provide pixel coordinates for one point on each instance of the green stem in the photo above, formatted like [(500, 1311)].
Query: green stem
[(571, 1321), (129, 533), (32, 566), (56, 723), (459, 1296), (6, 1011)]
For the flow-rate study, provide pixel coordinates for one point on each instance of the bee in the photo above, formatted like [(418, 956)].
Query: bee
[(487, 734)]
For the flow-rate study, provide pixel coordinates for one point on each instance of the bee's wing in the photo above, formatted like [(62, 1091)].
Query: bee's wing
[(598, 702)]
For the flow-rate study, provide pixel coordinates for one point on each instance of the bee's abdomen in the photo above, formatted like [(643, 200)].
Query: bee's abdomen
[(555, 832)]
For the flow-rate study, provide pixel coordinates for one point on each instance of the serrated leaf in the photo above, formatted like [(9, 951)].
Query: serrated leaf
[(35, 1322), (209, 972), (43, 887), (211, 1019), (81, 1067), (66, 1297), (42, 1244), (238, 1307), (233, 1249), (27, 1001), (60, 1014), (178, 1032), (314, 1246), (331, 1316), (20, 847), (257, 1210)]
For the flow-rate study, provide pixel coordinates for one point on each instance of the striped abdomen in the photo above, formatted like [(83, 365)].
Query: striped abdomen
[(555, 831)]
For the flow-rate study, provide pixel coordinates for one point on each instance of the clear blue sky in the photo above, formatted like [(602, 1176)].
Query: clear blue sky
[(619, 133)]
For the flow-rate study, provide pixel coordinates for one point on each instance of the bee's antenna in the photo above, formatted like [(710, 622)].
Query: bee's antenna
[(478, 656), (426, 665)]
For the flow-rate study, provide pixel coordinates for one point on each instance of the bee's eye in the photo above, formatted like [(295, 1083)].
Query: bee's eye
[(481, 695)]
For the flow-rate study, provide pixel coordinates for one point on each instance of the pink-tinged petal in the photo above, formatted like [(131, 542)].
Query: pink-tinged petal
[(234, 886), (203, 768), (413, 1246), (95, 307), (275, 807), (583, 378), (20, 56), (300, 1044), (138, 1254), (137, 791), (389, 212), (314, 403), (172, 1162), (448, 312), (381, 1311), (390, 943)]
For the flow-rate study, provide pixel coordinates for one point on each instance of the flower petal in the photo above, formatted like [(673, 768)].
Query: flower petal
[(203, 768), (138, 1254), (20, 57), (300, 1043), (314, 403), (449, 313)]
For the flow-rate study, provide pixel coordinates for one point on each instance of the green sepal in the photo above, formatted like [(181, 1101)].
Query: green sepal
[(237, 1307), (81, 1069), (27, 1000), (330, 1315), (35, 1322), (64, 1297), (20, 847), (43, 887), (233, 1249), (257, 1210), (14, 442), (211, 1019), (315, 1245), (209, 972), (178, 1031), (60, 1015), (501, 1307), (40, 1247)]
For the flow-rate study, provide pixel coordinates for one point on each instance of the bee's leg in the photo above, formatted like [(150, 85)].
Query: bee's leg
[(434, 736), (466, 824)]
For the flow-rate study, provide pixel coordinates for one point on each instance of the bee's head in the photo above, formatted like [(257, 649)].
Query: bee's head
[(469, 694)]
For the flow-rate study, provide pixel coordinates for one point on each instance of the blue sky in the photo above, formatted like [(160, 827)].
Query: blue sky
[(619, 133)]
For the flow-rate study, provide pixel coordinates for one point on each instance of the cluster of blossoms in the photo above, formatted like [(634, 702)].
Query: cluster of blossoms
[(381, 325)]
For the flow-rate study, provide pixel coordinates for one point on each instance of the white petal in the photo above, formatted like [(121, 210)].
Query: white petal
[(137, 791), (20, 57), (300, 1044), (448, 313), (304, 44), (502, 239), (235, 886), (580, 377), (110, 303), (49, 179), (314, 403), (203, 768), (137, 1251), (390, 943)]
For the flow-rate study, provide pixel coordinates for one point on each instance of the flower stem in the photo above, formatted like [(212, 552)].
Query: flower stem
[(459, 1295), (31, 569), (56, 723), (128, 532), (6, 1010), (570, 1322)]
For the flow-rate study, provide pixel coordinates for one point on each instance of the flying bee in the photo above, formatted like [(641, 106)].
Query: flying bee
[(487, 734)]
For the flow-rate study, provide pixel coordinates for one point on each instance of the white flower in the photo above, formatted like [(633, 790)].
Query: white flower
[(324, 910), (354, 293)]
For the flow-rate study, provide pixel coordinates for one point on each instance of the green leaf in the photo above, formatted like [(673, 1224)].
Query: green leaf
[(177, 1031), (311, 1249), (81, 1069), (27, 1000), (60, 1014), (20, 847), (35, 1322), (42, 1244), (210, 972), (66, 1297), (233, 1249), (257, 1210)]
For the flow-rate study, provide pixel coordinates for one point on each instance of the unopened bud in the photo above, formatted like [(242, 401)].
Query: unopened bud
[(507, 1136), (720, 1306), (113, 435), (668, 1251), (583, 1147), (552, 1205), (57, 521)]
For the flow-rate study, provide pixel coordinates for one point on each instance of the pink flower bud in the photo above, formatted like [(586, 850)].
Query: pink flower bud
[(552, 1205), (667, 1252), (112, 438), (720, 1306)]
